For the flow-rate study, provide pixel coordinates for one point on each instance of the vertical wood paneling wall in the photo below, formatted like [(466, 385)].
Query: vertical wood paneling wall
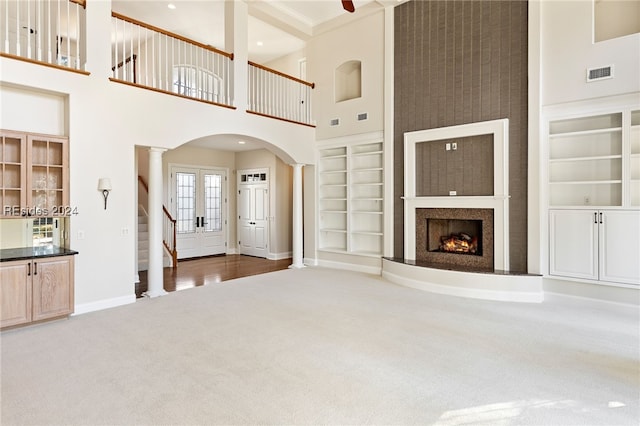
[(460, 62)]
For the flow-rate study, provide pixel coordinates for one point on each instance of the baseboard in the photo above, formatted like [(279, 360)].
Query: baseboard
[(348, 266), (232, 251), (280, 256), (103, 304), (310, 261), (597, 295)]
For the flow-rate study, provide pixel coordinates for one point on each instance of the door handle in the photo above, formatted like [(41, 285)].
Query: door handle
[(595, 217), (600, 217), (35, 268), (29, 269), (197, 222)]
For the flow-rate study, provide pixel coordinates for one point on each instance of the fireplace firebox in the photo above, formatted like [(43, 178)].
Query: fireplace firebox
[(455, 237)]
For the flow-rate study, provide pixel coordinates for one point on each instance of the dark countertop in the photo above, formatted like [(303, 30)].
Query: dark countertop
[(23, 253)]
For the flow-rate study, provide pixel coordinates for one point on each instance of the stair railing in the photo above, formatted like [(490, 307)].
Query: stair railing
[(168, 228)]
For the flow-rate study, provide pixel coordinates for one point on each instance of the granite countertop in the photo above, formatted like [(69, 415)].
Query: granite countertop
[(22, 253)]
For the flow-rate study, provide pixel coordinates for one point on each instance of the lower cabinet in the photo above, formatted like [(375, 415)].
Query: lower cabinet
[(601, 245), (35, 289)]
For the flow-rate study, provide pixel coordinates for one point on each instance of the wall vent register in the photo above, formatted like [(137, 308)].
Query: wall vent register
[(602, 73)]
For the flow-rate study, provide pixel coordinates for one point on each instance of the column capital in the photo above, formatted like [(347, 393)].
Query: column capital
[(156, 149)]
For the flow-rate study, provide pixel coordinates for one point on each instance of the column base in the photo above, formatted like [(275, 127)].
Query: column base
[(297, 266), (152, 294)]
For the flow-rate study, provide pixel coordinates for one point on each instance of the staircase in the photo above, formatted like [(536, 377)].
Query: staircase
[(143, 242)]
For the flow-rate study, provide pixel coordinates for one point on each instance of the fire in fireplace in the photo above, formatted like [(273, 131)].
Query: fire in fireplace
[(454, 236), (459, 243)]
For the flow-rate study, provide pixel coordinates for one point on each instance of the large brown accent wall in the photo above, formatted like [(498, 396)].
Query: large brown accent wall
[(460, 62)]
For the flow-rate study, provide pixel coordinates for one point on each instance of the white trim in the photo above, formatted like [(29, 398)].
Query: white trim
[(279, 256), (499, 201), (376, 270), (503, 288), (351, 139), (310, 261), (388, 141), (103, 304)]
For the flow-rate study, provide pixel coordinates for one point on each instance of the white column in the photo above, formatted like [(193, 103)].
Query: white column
[(297, 217), (236, 25), (154, 274)]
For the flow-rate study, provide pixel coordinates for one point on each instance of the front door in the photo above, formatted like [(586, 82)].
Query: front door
[(253, 213), (199, 202)]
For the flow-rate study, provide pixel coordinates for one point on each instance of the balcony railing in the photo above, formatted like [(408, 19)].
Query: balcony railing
[(51, 32), (278, 95), (151, 57)]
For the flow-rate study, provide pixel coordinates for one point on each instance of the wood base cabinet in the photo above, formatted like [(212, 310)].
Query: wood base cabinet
[(601, 245), (35, 290)]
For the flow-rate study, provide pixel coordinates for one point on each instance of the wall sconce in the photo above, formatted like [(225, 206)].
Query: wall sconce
[(104, 185)]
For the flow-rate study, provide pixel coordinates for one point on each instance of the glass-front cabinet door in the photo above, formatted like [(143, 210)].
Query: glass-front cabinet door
[(48, 175)]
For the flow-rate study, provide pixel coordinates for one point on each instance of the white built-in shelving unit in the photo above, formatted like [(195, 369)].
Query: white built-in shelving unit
[(594, 196), (585, 161), (351, 188), (634, 159)]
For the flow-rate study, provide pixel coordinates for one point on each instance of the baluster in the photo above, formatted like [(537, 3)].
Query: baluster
[(79, 10), (29, 51), (18, 50), (68, 34), (39, 31), (6, 26), (130, 58), (153, 60)]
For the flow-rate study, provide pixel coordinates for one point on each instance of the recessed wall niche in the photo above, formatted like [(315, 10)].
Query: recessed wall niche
[(348, 81), (615, 18)]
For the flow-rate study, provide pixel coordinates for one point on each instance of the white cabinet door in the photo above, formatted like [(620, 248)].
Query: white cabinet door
[(619, 235), (573, 248)]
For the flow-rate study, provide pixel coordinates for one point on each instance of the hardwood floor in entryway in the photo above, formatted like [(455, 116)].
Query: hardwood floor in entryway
[(213, 269)]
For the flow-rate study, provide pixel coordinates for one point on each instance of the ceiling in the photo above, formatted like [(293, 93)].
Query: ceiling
[(275, 28)]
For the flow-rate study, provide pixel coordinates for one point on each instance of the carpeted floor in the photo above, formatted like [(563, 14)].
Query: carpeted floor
[(318, 346)]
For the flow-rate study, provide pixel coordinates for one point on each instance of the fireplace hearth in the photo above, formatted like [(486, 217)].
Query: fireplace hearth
[(455, 237)]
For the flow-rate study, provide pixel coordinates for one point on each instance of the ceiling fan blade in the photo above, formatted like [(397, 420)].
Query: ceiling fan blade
[(348, 6)]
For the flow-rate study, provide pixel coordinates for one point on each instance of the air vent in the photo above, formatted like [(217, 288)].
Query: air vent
[(362, 116), (334, 122), (602, 73)]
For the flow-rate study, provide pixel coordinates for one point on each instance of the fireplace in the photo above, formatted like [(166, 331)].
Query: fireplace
[(455, 237)]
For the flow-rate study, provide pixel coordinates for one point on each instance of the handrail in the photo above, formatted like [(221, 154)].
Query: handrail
[(82, 3), (171, 248), (170, 34), (281, 74)]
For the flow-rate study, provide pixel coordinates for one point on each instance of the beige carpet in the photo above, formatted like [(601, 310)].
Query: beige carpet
[(318, 346)]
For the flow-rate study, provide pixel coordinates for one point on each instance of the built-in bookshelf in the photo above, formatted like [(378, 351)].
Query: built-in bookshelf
[(594, 196), (585, 161), (634, 159), (351, 199)]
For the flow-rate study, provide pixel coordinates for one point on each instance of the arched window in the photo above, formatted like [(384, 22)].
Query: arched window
[(196, 82), (348, 81)]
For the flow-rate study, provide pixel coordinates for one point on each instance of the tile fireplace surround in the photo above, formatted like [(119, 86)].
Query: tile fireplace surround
[(483, 260), (461, 278)]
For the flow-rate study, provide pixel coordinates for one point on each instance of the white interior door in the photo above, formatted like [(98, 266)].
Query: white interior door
[(199, 202), (253, 214)]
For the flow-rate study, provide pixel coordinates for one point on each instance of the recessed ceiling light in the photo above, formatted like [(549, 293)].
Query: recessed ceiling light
[(171, 6), (260, 43), (241, 142)]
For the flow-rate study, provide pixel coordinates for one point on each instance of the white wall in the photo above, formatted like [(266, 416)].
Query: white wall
[(361, 40), (105, 122), (568, 50)]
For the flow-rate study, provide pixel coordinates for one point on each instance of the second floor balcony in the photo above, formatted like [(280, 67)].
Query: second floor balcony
[(54, 33)]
